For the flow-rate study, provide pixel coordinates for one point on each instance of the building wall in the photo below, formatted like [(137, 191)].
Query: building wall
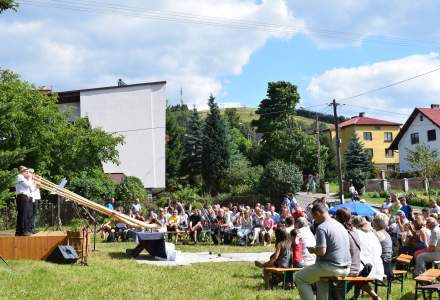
[(405, 143), (377, 143), (138, 114)]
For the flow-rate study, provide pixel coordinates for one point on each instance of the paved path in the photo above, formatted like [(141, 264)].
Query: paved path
[(305, 199)]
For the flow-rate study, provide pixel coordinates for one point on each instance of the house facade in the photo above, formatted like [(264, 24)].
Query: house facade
[(137, 112), (422, 127), (376, 136)]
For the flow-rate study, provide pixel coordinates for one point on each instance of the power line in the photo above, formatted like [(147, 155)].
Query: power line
[(143, 12), (377, 109), (390, 85)]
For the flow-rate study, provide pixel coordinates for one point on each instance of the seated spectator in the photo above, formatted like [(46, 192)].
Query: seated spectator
[(380, 224), (435, 208), (433, 251), (425, 213), (183, 217), (111, 204), (258, 225), (267, 230), (283, 251), (387, 204), (275, 216), (308, 240), (406, 208), (290, 224), (139, 217), (297, 212), (136, 206), (130, 214), (395, 206), (173, 222), (285, 213), (195, 224), (245, 223), (163, 220), (297, 258)]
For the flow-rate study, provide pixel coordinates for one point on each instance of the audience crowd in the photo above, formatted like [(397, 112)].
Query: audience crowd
[(310, 238)]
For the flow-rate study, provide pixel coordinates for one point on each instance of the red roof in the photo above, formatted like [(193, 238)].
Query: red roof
[(366, 121), (432, 114)]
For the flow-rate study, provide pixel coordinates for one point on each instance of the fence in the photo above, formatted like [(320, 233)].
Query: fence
[(404, 184)]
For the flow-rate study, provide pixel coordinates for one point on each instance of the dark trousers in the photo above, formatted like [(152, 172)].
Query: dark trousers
[(24, 215), (34, 213)]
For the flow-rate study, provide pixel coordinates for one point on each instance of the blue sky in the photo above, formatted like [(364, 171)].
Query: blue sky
[(232, 48)]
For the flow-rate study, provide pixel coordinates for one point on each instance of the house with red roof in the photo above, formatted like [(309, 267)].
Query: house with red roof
[(376, 135), (420, 128)]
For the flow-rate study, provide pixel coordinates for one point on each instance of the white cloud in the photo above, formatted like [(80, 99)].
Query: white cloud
[(345, 22), (340, 83), (87, 50)]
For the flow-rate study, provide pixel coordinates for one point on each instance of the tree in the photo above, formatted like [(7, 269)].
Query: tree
[(174, 147), (94, 185), (192, 162), (216, 151), (358, 164), (8, 4), (425, 161), (32, 124), (280, 178), (232, 117), (129, 189)]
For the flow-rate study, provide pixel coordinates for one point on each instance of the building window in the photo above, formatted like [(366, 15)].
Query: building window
[(389, 153), (369, 152), (414, 138), (387, 136), (368, 136), (421, 118), (431, 135)]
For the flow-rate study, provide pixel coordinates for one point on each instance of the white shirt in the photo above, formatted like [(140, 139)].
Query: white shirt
[(136, 208), (308, 240), (35, 193), (371, 251), (23, 186)]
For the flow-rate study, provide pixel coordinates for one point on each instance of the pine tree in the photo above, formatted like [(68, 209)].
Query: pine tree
[(192, 163), (357, 163), (216, 151), (174, 148)]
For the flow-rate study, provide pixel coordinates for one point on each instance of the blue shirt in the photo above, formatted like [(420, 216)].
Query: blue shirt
[(276, 217), (407, 210), (109, 206), (293, 202), (286, 202)]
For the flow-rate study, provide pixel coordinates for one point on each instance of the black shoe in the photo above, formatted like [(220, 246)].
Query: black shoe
[(27, 234)]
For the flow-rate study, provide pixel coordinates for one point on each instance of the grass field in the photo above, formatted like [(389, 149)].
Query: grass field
[(110, 275)]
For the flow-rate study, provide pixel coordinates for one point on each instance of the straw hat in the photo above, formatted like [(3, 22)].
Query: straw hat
[(22, 169)]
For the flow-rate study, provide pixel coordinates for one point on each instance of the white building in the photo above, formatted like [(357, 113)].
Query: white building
[(422, 127), (135, 111)]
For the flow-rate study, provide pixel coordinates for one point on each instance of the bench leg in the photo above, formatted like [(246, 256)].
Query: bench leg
[(267, 279)]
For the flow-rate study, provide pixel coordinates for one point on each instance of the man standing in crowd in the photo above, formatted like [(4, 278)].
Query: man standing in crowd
[(36, 197), (111, 204), (333, 255), (433, 252), (23, 190), (406, 208), (136, 206)]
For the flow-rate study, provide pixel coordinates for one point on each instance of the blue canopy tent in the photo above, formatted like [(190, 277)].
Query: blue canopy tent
[(356, 208)]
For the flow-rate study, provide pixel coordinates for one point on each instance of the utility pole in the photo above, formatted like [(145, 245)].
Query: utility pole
[(319, 146), (338, 149)]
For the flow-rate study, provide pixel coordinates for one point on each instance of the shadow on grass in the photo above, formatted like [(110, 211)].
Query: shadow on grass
[(407, 296), (118, 255)]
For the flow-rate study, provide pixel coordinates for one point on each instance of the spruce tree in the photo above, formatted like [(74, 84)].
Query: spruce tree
[(174, 148), (216, 151), (192, 163), (357, 163)]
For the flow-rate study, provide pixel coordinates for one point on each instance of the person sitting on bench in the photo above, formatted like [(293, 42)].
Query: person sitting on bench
[(195, 224), (433, 252), (282, 256)]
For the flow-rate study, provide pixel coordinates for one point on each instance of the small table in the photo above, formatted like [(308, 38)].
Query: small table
[(153, 242)]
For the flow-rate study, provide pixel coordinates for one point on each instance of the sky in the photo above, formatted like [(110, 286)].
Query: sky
[(332, 49)]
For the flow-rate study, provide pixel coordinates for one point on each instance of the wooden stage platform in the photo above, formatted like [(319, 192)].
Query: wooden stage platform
[(36, 247)]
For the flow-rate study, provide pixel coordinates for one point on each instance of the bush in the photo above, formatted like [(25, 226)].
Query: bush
[(279, 178), (375, 195), (384, 194), (129, 189), (93, 185)]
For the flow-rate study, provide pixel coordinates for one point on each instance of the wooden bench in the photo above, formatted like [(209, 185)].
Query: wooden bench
[(429, 277), (404, 260), (269, 274), (399, 276), (175, 235), (435, 264), (431, 288), (345, 280)]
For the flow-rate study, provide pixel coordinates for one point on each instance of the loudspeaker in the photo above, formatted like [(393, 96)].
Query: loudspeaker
[(63, 255)]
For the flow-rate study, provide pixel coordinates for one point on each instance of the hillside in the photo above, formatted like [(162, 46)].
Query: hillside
[(247, 114)]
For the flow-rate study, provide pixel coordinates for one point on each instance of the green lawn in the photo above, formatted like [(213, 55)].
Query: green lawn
[(110, 275)]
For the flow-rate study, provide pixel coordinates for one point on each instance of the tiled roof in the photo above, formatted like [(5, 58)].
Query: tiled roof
[(366, 121), (432, 113)]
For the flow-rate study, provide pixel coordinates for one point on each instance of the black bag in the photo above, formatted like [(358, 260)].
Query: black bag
[(366, 270)]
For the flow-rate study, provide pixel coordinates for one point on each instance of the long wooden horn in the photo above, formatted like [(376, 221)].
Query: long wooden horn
[(69, 195)]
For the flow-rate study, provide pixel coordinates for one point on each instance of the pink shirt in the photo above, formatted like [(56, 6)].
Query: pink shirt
[(268, 223)]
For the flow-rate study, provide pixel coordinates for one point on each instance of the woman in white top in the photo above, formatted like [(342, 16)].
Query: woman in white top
[(308, 240)]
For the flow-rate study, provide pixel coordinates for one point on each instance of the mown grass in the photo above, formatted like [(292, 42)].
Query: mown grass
[(110, 275)]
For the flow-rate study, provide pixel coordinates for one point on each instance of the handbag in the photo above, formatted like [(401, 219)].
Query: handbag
[(367, 267)]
